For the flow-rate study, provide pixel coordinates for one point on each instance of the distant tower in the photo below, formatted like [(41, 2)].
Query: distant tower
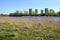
[(52, 11), (30, 11), (46, 10), (41, 11), (36, 10)]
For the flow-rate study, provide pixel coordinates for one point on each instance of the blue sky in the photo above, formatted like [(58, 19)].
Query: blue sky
[(8, 6)]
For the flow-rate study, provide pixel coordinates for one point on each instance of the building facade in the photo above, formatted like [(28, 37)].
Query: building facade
[(30, 11), (46, 10), (36, 11), (52, 11), (41, 11)]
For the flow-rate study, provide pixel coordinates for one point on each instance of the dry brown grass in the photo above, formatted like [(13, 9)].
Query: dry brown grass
[(33, 22)]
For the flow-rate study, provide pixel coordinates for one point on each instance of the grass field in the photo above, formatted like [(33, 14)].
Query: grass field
[(23, 29)]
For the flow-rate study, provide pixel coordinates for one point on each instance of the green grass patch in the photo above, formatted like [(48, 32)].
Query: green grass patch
[(30, 33)]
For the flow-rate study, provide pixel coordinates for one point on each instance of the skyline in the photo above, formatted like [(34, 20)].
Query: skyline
[(8, 6)]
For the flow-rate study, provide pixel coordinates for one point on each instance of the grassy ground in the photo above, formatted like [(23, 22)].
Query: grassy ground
[(10, 31), (20, 31)]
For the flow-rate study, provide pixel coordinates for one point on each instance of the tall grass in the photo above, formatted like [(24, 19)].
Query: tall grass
[(17, 31)]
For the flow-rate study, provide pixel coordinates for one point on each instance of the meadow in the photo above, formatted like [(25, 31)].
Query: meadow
[(24, 29)]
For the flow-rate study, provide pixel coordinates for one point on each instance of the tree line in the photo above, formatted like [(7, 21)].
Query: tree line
[(32, 13), (17, 13)]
